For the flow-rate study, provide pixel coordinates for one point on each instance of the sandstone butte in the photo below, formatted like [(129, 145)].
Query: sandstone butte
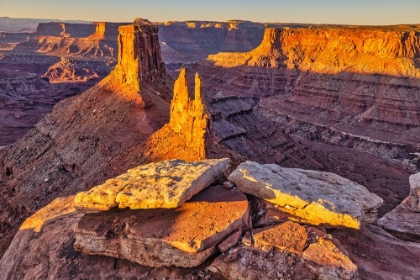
[(365, 51), (166, 184), (314, 197)]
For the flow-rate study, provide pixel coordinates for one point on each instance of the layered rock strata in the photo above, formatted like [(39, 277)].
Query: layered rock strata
[(167, 184), (404, 221), (314, 197)]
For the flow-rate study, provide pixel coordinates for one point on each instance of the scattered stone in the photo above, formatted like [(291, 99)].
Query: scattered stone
[(182, 237), (404, 221), (166, 184), (230, 241), (315, 197), (327, 261), (228, 184)]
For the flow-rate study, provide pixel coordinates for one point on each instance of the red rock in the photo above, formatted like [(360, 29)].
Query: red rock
[(183, 237)]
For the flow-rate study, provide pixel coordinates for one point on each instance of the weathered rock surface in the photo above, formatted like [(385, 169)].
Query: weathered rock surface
[(284, 251), (97, 135), (43, 249), (314, 197), (404, 221), (188, 132), (166, 184), (183, 237)]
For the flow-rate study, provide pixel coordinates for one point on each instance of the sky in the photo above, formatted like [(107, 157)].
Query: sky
[(358, 12)]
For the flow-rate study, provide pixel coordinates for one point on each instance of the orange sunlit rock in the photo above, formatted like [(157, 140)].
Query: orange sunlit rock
[(185, 137), (331, 51)]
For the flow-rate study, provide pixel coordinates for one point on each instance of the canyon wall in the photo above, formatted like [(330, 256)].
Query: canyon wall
[(349, 96)]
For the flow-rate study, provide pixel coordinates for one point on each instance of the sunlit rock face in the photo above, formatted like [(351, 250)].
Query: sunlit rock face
[(313, 197), (166, 184), (188, 131), (287, 250), (331, 51)]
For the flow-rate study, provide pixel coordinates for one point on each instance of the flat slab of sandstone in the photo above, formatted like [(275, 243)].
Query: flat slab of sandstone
[(166, 184), (314, 197), (182, 237)]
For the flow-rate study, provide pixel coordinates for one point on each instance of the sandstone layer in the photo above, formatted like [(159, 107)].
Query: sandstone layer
[(404, 221), (314, 197), (183, 237), (166, 184)]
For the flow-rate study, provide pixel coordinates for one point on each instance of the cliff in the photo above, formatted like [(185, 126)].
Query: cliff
[(348, 95), (191, 41), (331, 51)]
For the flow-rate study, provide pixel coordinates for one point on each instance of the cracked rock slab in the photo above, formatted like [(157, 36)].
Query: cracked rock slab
[(183, 237), (313, 197), (166, 184)]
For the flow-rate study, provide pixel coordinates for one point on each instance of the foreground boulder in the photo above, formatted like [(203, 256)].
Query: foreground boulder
[(166, 184), (43, 249), (404, 221), (314, 197), (284, 251), (183, 237)]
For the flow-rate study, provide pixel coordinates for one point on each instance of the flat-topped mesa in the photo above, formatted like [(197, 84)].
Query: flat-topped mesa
[(188, 117), (333, 50), (106, 30), (139, 56)]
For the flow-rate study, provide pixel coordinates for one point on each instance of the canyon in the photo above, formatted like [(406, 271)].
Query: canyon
[(337, 99)]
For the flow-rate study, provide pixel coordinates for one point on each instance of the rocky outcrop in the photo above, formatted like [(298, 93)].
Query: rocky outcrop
[(166, 184), (188, 132), (183, 237), (404, 221), (313, 197), (77, 70), (57, 29), (285, 251), (97, 135)]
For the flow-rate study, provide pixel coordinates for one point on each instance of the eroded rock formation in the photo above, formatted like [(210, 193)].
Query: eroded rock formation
[(97, 135), (188, 132)]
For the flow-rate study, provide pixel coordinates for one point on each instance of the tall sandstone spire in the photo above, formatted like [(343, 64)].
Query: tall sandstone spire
[(139, 56), (186, 135)]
